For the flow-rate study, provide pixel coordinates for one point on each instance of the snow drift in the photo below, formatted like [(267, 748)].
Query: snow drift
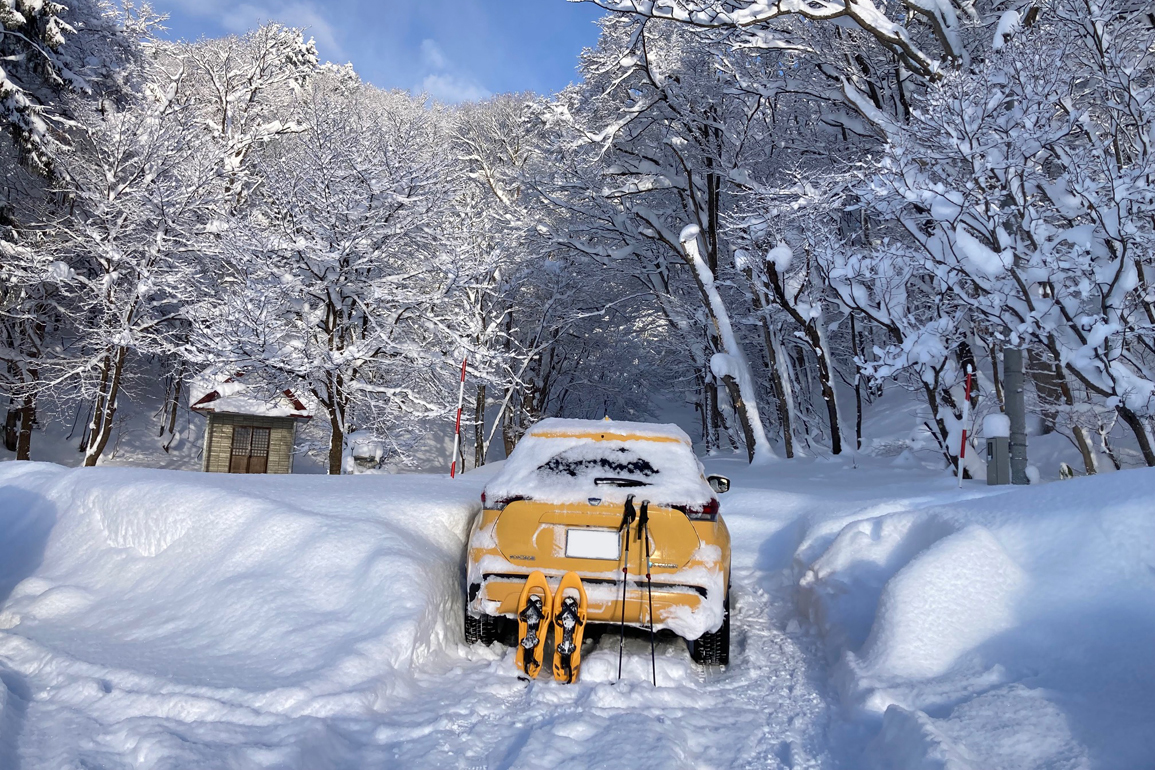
[(1012, 631), (217, 604)]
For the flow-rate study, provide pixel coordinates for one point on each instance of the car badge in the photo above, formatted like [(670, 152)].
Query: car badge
[(595, 501)]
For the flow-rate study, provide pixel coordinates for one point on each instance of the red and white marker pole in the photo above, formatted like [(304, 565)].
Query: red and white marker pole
[(457, 428), (962, 450)]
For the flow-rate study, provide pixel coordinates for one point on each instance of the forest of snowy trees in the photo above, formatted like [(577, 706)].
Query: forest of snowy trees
[(773, 211)]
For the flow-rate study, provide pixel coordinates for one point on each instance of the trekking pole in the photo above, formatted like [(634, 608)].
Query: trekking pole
[(627, 520), (644, 531)]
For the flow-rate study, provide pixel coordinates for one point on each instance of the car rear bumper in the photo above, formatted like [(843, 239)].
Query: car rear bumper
[(498, 594)]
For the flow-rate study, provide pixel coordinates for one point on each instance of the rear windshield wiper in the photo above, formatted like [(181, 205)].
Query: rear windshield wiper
[(615, 482)]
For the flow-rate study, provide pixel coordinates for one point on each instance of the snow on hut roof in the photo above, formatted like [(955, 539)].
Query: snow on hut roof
[(220, 391), (570, 461)]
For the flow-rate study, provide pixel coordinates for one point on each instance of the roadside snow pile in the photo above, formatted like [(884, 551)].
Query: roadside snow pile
[(154, 619), (1012, 631)]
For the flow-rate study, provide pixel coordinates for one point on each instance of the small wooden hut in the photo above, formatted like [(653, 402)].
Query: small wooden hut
[(247, 431)]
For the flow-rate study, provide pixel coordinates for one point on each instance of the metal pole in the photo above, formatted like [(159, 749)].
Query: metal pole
[(966, 418), (644, 532), (627, 519), (457, 428), (1016, 412)]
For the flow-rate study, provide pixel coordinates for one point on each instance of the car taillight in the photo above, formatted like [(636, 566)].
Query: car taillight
[(500, 503), (707, 512)]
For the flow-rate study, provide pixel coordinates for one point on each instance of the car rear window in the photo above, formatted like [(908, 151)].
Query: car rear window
[(616, 463), (573, 461)]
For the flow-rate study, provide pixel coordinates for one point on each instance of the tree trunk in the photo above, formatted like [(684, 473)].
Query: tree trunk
[(780, 382), (998, 383), (812, 330), (939, 423), (1048, 387), (174, 406), (24, 436), (1082, 439), (479, 427), (745, 403), (336, 442), (1107, 448), (10, 421), (775, 361), (104, 408), (713, 415), (743, 417), (1135, 423), (826, 381), (508, 432), (703, 414), (966, 359), (857, 385)]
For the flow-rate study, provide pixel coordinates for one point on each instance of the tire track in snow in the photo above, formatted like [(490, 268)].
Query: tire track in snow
[(768, 709)]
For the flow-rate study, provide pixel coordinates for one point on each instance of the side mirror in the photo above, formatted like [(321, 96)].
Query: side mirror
[(719, 484)]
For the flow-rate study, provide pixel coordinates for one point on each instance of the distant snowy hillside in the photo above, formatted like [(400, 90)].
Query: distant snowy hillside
[(882, 618)]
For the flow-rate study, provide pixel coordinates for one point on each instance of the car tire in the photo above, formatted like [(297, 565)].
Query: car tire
[(480, 628), (713, 649)]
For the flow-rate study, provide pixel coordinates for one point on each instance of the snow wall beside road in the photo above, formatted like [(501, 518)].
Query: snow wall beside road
[(215, 604), (1012, 631)]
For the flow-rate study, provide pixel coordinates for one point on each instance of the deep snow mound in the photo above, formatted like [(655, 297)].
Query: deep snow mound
[(1011, 631), (135, 596)]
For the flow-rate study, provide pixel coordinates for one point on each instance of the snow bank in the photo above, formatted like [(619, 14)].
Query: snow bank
[(148, 600), (1001, 632)]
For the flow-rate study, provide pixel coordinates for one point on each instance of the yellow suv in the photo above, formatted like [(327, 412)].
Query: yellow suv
[(588, 496)]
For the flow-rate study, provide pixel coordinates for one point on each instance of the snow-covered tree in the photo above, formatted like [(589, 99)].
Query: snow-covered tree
[(652, 148), (339, 282), (244, 87), (127, 247), (1022, 187), (60, 65)]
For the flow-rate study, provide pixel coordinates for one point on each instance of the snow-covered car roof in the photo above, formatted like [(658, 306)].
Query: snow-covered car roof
[(570, 461)]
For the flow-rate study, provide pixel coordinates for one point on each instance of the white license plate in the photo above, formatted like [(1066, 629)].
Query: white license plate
[(588, 543)]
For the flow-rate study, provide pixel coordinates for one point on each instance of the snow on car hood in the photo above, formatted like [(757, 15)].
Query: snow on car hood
[(570, 461)]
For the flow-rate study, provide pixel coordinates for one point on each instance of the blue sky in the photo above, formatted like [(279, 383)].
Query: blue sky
[(454, 49)]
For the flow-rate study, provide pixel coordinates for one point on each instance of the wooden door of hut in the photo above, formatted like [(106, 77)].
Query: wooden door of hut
[(250, 450)]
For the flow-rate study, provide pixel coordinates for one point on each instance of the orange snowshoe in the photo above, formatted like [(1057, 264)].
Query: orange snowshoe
[(569, 622), (533, 615)]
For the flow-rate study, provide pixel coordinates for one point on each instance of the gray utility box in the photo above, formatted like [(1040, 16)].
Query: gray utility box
[(998, 460)]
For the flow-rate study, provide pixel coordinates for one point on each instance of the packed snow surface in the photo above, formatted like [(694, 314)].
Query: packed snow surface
[(881, 618)]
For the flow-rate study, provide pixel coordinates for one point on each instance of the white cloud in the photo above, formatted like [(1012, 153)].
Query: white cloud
[(446, 87), (433, 56), (443, 79)]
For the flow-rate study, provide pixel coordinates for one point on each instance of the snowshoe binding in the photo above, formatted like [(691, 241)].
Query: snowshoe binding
[(569, 621), (533, 615)]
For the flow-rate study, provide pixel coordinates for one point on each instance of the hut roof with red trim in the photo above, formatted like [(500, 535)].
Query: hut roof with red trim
[(216, 391)]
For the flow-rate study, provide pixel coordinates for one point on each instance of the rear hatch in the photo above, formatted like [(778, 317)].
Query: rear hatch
[(588, 538), (562, 497)]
